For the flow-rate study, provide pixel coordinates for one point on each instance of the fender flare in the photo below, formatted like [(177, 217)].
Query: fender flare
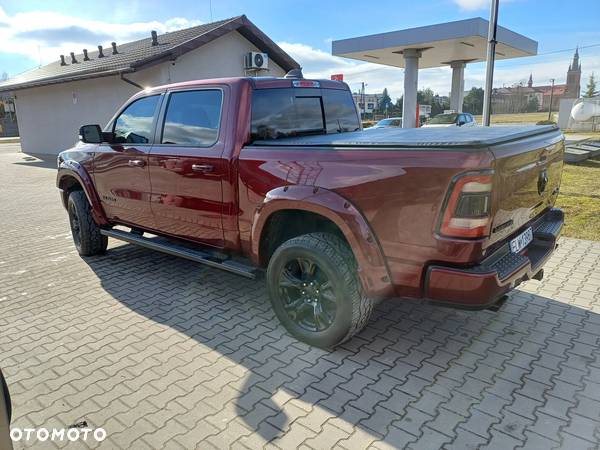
[(372, 267), (73, 169)]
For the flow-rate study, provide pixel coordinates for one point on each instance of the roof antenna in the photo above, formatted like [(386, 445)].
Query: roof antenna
[(294, 73)]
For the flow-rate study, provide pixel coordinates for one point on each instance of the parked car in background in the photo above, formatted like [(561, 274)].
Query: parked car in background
[(392, 122), (5, 415), (452, 120), (273, 175)]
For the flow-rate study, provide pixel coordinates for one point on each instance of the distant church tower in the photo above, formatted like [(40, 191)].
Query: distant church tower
[(530, 82), (574, 77)]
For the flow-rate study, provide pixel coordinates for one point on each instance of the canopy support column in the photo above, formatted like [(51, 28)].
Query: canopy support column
[(411, 84), (458, 85)]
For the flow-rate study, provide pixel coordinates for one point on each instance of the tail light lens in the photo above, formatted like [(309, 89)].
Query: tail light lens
[(466, 212)]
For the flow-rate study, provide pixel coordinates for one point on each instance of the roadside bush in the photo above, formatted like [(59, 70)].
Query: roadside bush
[(546, 122)]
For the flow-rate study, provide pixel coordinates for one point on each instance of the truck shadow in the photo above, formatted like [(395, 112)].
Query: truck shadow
[(413, 361)]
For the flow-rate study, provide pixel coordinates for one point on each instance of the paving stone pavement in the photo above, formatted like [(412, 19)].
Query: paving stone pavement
[(162, 352)]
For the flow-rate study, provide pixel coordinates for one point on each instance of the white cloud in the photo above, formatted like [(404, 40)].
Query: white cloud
[(474, 5), (471, 5), (44, 35)]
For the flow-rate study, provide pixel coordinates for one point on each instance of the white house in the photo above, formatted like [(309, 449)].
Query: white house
[(52, 102)]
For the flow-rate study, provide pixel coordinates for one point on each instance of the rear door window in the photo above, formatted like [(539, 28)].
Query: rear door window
[(192, 118), (134, 124), (288, 112), (278, 113)]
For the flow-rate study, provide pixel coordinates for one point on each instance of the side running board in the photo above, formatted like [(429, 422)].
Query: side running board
[(200, 256)]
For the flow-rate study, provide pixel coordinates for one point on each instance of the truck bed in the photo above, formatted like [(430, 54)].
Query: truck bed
[(451, 137)]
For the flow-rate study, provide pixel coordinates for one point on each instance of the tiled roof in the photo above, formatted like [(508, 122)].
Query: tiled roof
[(139, 54)]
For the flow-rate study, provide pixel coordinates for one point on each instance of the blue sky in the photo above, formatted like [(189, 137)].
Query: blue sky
[(34, 31)]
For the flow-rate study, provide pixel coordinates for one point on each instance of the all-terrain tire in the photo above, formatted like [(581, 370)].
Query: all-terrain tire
[(86, 233), (336, 261)]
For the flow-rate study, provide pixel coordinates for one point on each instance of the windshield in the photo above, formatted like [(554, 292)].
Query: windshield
[(443, 119), (384, 122)]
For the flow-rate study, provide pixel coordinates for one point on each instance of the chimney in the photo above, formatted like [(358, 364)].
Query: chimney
[(114, 46), (73, 59), (154, 38), (85, 55), (100, 53), (62, 60)]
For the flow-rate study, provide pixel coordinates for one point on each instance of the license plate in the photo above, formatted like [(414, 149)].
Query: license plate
[(521, 241)]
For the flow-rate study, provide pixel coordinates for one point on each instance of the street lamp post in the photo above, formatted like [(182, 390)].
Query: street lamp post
[(364, 109), (491, 57), (551, 97)]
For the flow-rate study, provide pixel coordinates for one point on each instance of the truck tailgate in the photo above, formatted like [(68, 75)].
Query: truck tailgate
[(527, 176)]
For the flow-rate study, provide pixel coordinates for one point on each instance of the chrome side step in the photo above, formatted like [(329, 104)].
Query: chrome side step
[(170, 248)]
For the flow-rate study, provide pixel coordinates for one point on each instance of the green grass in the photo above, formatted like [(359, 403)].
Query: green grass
[(519, 118), (580, 199)]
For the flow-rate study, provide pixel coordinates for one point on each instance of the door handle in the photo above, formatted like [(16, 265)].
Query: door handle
[(203, 168), (136, 163)]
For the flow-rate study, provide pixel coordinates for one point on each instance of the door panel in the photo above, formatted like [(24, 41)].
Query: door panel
[(120, 169), (186, 167), (187, 193), (123, 183)]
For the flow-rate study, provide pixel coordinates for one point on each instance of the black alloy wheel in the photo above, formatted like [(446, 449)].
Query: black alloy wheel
[(307, 294)]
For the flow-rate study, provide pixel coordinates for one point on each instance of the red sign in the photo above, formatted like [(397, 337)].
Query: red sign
[(337, 77)]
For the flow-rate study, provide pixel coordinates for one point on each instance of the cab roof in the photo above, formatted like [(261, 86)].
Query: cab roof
[(256, 82)]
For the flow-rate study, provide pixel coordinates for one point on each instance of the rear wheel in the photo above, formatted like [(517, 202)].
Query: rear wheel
[(315, 292), (86, 234)]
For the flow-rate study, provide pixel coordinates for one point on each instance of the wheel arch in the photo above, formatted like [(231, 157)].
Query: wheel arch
[(324, 208), (72, 176)]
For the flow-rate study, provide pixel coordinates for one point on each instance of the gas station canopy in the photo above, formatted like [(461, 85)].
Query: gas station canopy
[(452, 43), (440, 44)]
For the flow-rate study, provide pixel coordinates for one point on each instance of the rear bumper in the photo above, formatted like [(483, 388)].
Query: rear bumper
[(483, 285)]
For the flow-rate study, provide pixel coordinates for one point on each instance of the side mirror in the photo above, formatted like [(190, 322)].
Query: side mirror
[(461, 123), (90, 134)]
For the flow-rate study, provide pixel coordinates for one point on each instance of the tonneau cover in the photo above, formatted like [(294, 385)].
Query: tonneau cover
[(416, 137)]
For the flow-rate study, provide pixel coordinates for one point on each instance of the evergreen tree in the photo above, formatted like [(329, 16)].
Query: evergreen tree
[(590, 89), (533, 104), (385, 102), (473, 101)]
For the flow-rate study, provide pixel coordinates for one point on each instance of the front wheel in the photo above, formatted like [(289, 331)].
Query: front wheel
[(314, 289), (86, 233)]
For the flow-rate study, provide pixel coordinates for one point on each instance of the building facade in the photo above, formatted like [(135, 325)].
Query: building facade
[(531, 98), (366, 103), (52, 102)]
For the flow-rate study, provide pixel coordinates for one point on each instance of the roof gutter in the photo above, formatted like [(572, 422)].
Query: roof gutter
[(133, 83), (59, 80)]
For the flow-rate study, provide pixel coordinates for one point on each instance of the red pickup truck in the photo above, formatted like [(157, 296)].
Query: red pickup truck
[(275, 174)]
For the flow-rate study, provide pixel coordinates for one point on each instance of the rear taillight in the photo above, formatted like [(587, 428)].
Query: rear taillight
[(466, 212)]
